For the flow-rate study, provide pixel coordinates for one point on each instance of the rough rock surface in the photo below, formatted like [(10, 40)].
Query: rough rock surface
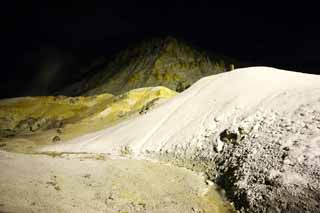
[(275, 168)]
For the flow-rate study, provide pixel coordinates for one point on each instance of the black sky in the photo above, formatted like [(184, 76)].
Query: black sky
[(284, 36)]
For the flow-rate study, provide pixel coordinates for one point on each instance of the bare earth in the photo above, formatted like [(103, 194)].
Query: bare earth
[(95, 183)]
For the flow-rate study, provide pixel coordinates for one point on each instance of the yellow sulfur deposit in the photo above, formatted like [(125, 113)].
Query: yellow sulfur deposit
[(28, 122)]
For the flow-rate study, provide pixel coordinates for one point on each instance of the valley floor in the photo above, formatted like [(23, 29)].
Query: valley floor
[(96, 183)]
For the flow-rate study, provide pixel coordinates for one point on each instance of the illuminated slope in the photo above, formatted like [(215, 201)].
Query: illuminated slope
[(212, 103), (254, 131)]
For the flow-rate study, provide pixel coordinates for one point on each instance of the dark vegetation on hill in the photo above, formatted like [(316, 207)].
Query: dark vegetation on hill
[(157, 62)]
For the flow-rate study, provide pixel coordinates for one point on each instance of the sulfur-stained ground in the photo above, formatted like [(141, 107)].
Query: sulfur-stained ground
[(29, 122)]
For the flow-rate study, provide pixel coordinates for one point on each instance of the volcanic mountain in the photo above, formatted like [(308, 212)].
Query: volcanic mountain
[(159, 62)]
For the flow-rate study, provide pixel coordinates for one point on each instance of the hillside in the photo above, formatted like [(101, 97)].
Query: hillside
[(254, 131), (159, 62)]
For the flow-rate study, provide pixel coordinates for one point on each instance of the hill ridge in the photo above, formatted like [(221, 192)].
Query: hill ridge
[(165, 62)]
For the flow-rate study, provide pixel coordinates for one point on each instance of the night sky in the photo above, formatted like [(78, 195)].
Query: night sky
[(283, 36)]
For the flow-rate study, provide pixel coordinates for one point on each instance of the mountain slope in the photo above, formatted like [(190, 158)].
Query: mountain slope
[(254, 131), (159, 62)]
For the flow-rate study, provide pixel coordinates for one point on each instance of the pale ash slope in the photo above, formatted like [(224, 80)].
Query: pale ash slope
[(159, 62), (211, 103), (255, 131), (94, 183)]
